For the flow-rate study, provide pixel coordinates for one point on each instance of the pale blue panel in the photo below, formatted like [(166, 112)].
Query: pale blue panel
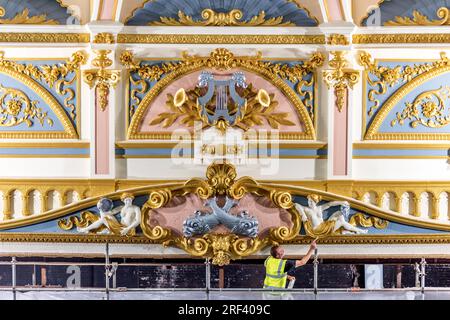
[(8, 82), (433, 84), (153, 10)]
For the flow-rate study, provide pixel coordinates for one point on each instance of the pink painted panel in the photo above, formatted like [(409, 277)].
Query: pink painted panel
[(340, 165), (334, 10), (190, 81), (107, 10), (180, 208), (101, 138)]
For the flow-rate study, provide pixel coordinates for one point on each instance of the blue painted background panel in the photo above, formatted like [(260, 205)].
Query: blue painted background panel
[(153, 10)]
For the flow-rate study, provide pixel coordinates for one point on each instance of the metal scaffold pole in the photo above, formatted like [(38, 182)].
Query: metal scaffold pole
[(14, 276), (422, 274), (316, 270), (207, 277), (107, 271)]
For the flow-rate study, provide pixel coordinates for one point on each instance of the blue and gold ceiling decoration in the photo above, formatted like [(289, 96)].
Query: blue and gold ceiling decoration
[(221, 13), (409, 13), (49, 12), (406, 100), (39, 98), (148, 78)]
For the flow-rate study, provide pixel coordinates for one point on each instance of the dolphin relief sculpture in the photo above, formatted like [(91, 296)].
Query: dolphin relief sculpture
[(201, 223)]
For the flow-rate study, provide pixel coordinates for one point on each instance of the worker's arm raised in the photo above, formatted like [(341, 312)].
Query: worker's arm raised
[(305, 259)]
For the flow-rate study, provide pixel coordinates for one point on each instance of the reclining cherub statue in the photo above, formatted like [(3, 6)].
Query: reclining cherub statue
[(314, 223)]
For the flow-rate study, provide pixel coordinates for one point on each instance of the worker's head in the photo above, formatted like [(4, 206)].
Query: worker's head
[(277, 252)]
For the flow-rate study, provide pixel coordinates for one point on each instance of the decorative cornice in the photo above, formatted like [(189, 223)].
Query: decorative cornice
[(219, 39), (300, 240), (401, 38), (45, 37)]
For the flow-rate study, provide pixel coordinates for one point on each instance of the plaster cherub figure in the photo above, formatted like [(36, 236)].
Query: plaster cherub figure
[(130, 217), (315, 225)]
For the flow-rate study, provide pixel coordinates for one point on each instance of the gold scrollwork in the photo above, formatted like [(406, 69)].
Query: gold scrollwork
[(86, 218), (101, 77), (220, 180), (340, 78), (24, 18), (16, 108), (55, 76), (428, 109), (359, 219), (420, 19), (231, 18), (392, 76), (223, 59)]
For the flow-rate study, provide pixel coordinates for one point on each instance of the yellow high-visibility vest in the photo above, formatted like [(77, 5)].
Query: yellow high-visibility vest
[(275, 275)]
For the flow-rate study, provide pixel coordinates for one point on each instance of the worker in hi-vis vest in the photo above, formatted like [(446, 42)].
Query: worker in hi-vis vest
[(277, 268)]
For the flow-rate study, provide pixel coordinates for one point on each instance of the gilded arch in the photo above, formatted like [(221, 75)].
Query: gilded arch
[(373, 130), (221, 59), (69, 130)]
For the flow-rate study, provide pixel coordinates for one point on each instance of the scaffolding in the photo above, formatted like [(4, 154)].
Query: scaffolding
[(207, 292)]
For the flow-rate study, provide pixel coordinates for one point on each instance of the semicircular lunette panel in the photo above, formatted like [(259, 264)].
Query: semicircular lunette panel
[(163, 116), (278, 95), (39, 98), (405, 100), (49, 12), (222, 13), (408, 13)]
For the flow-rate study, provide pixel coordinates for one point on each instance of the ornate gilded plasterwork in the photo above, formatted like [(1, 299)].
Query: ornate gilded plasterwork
[(256, 111), (340, 78), (231, 18), (55, 76), (401, 38), (221, 59), (420, 19), (410, 77), (16, 108), (104, 37), (45, 37), (102, 78), (428, 109), (24, 18), (220, 247), (220, 38), (337, 40)]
